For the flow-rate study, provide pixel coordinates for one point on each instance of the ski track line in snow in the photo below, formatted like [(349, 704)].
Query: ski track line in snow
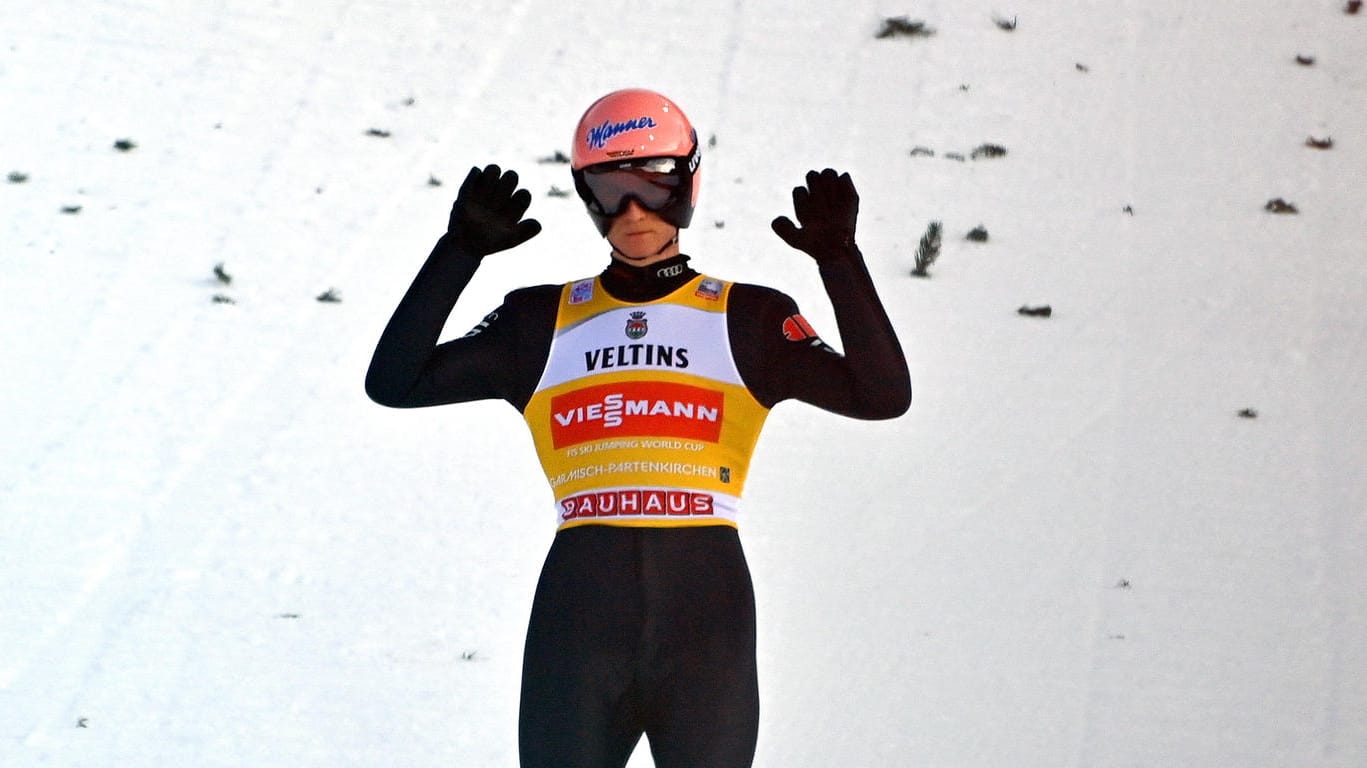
[(294, 315), (726, 81), (1108, 616), (1212, 322), (378, 223), (81, 603), (101, 598), (1343, 540)]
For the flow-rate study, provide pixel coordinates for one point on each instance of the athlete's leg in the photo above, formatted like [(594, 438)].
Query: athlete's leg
[(578, 707), (702, 690)]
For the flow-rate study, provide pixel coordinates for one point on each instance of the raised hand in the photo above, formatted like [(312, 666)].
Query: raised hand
[(826, 209), (487, 215)]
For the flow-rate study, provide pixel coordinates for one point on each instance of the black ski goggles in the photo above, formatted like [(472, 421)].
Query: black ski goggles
[(654, 182)]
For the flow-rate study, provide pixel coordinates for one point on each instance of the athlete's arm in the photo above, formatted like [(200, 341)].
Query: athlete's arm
[(409, 369), (870, 380), (781, 357)]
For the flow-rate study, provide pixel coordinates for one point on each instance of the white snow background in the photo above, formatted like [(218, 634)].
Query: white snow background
[(1072, 551)]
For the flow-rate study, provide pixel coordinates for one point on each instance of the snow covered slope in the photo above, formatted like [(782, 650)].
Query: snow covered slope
[(1073, 551)]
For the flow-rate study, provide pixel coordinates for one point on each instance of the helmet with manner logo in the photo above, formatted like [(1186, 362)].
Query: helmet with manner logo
[(636, 144)]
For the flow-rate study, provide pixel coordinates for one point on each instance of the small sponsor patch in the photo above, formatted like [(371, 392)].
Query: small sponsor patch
[(709, 289), (796, 328), (636, 326), (581, 291)]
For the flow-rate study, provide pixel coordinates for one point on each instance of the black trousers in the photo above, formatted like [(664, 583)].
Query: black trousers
[(641, 631)]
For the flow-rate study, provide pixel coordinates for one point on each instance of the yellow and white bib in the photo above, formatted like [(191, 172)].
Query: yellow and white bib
[(641, 417)]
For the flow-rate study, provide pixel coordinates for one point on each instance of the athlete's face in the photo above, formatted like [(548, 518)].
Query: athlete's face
[(640, 237)]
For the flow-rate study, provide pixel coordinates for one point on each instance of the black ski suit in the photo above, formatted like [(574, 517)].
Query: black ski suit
[(640, 630)]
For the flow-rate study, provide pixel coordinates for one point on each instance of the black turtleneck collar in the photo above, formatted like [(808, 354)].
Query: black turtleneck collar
[(638, 284)]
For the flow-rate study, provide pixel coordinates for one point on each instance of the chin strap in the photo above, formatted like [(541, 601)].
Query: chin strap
[(672, 241)]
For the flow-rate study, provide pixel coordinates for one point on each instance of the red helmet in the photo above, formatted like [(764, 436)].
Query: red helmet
[(636, 144)]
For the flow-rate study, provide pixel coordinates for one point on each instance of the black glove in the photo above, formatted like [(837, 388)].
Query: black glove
[(826, 208), (487, 215)]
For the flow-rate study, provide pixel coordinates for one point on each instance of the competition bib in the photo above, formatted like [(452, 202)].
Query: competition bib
[(640, 417)]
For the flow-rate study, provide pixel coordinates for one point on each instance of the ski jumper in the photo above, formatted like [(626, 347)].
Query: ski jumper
[(645, 390)]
